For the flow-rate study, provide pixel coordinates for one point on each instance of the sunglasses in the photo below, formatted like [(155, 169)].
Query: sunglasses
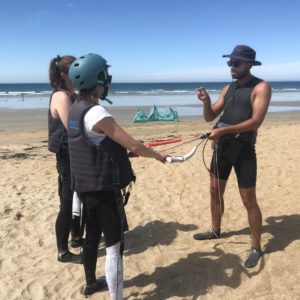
[(234, 64)]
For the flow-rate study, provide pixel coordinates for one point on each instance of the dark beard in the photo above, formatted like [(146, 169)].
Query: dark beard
[(240, 75)]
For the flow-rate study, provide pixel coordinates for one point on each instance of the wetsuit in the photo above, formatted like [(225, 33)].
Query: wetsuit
[(236, 150), (58, 144), (100, 170)]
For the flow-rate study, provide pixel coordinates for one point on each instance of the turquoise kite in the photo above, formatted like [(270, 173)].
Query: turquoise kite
[(154, 115)]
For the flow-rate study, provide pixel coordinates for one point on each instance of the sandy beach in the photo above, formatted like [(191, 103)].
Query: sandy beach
[(169, 204)]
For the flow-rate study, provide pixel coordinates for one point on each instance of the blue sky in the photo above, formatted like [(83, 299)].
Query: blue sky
[(150, 41)]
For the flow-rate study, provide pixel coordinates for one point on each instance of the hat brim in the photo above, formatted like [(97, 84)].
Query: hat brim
[(254, 62)]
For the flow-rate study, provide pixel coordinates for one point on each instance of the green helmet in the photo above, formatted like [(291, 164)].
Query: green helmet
[(89, 70)]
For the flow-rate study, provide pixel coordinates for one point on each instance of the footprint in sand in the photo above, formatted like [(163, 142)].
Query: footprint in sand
[(36, 290)]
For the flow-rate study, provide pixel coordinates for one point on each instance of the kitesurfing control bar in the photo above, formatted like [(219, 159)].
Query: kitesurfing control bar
[(174, 159)]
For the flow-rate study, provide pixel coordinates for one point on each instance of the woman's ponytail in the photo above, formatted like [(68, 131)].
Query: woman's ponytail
[(57, 66)]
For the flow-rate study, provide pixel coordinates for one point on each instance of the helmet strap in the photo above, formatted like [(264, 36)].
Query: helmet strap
[(106, 87)]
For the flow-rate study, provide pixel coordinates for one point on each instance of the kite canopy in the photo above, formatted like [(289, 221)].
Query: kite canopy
[(154, 115)]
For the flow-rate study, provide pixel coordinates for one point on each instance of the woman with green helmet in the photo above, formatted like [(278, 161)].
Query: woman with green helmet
[(100, 170)]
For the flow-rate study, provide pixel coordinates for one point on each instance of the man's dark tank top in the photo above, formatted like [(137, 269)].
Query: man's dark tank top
[(57, 134), (238, 107)]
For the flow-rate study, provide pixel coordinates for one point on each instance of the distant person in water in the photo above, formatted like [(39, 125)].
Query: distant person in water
[(60, 101), (243, 104)]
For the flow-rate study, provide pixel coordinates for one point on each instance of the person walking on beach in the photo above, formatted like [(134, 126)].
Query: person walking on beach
[(244, 104), (60, 102), (101, 170)]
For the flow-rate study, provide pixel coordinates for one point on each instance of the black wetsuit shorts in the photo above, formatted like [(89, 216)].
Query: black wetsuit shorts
[(231, 152)]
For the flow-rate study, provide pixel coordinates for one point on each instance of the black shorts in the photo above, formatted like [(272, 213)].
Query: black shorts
[(237, 154)]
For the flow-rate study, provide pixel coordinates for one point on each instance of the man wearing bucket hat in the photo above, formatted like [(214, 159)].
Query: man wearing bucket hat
[(243, 104)]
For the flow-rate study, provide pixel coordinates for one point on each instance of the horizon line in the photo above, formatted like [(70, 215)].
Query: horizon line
[(135, 82)]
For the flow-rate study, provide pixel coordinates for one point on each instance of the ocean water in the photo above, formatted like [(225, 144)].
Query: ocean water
[(178, 95)]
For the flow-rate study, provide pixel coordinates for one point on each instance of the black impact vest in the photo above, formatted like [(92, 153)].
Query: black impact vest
[(238, 107), (57, 134), (95, 167)]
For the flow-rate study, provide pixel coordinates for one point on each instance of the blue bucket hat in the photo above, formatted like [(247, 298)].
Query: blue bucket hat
[(243, 52)]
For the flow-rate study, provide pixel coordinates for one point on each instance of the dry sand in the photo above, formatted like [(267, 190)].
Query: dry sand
[(169, 203)]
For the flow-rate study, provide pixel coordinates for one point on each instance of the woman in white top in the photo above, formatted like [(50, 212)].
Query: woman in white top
[(96, 139)]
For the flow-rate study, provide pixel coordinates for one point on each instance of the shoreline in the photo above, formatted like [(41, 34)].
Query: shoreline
[(30, 126), (36, 119)]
